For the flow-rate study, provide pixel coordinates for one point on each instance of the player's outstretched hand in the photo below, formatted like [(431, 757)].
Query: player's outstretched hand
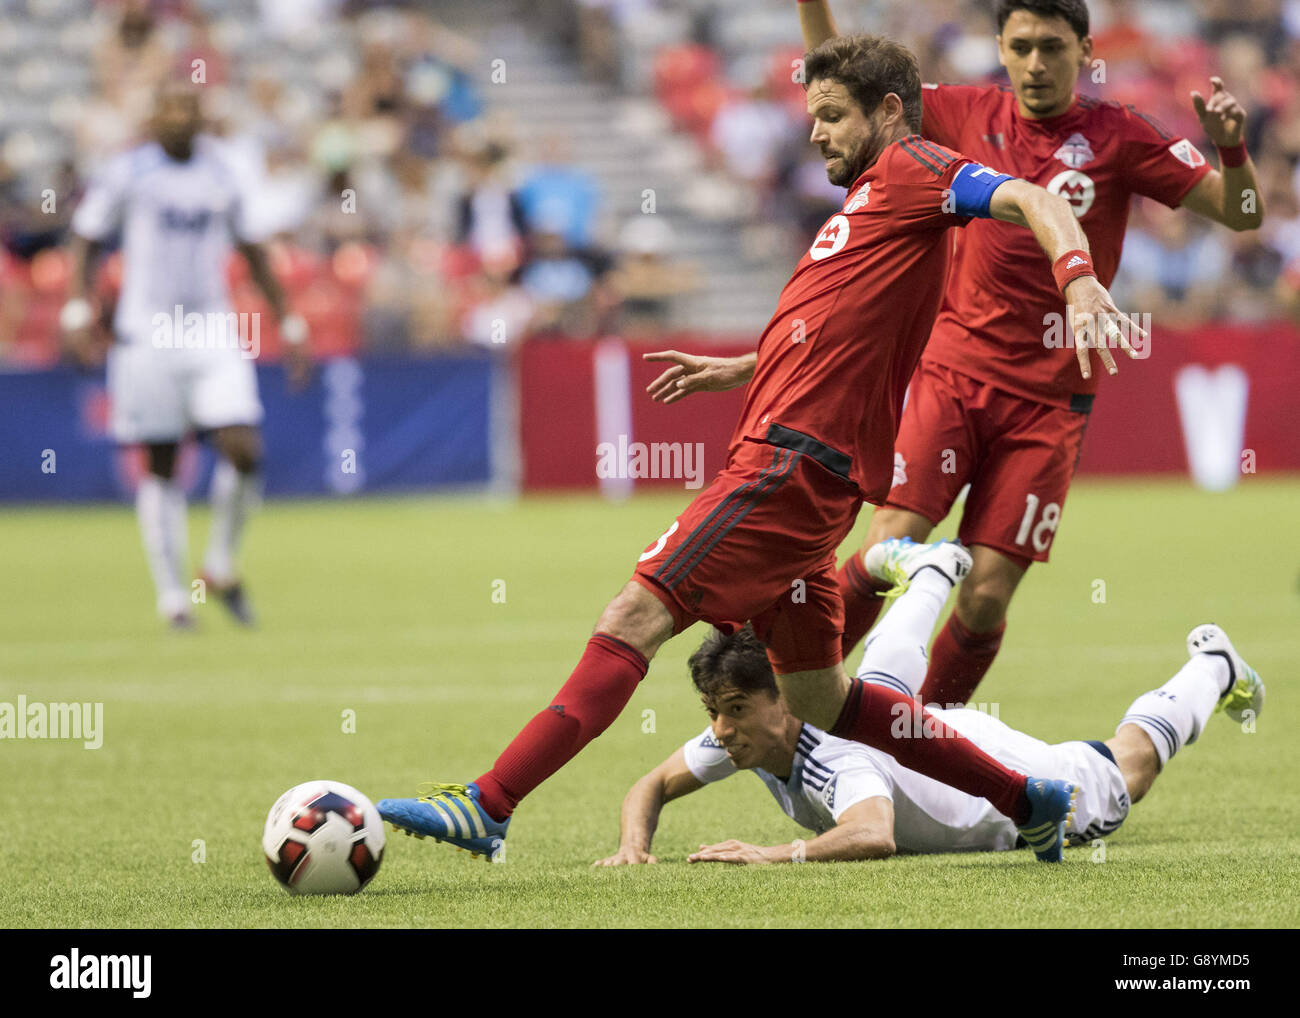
[(626, 856), (1222, 118), (738, 853), (690, 373), (1099, 325)]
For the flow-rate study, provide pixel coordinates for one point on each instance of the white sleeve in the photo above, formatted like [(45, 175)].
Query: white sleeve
[(245, 173), (99, 215), (245, 225), (857, 773), (854, 784), (707, 760)]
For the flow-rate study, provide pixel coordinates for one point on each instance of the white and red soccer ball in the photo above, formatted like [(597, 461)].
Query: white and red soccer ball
[(323, 837)]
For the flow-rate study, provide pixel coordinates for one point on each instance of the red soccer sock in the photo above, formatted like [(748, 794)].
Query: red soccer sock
[(860, 592), (896, 724), (959, 659), (585, 706)]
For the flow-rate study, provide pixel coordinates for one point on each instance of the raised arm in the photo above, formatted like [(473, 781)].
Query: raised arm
[(1093, 315), (864, 831), (816, 22), (1230, 196), (641, 808)]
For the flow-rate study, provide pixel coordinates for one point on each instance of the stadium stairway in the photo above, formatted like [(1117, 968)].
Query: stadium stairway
[(628, 144)]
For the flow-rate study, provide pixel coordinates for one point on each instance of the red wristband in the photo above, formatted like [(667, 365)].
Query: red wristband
[(1070, 266), (1230, 157)]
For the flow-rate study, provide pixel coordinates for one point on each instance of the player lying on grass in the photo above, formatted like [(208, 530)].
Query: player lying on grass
[(861, 802), (997, 401), (815, 439)]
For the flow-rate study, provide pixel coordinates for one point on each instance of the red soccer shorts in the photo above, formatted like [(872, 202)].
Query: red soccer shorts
[(1018, 456), (759, 545)]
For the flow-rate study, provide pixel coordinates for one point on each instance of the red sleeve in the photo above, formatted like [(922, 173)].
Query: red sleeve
[(924, 182), (1157, 164), (945, 110)]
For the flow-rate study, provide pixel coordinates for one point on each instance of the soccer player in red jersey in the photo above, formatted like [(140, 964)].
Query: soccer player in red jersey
[(998, 402), (814, 440)]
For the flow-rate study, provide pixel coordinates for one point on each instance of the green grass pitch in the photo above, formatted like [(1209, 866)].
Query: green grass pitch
[(386, 608)]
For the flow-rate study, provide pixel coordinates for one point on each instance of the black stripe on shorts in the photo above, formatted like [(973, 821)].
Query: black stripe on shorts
[(724, 517)]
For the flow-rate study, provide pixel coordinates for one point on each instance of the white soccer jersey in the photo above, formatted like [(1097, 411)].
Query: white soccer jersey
[(830, 775), (178, 221)]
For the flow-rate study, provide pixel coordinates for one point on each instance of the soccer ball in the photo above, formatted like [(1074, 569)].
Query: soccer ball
[(323, 837)]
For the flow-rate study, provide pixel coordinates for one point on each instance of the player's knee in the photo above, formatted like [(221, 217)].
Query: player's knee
[(241, 446), (816, 697), (637, 618), (162, 460), (982, 603), (244, 454), (887, 523), (246, 461)]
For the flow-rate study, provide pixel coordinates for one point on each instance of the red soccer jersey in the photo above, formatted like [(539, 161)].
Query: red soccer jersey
[(834, 361), (1097, 154)]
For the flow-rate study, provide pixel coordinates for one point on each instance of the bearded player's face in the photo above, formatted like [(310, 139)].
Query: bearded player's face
[(847, 137), (1043, 58)]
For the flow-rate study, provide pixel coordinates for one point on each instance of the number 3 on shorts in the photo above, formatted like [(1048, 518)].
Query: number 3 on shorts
[(658, 546), (1043, 533)]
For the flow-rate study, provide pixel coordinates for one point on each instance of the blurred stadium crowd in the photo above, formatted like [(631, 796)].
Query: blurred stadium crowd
[(405, 214)]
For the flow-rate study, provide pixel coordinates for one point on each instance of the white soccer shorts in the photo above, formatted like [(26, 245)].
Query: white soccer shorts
[(1102, 803), (159, 395)]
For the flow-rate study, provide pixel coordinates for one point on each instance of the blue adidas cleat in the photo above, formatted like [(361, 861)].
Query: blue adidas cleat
[(449, 813), (1052, 804)]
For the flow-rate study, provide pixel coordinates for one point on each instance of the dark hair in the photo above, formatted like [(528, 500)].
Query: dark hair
[(735, 661), (869, 67), (1075, 12)]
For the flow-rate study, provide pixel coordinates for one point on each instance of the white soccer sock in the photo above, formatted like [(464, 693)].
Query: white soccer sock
[(895, 655), (160, 511), (234, 496), (1174, 714)]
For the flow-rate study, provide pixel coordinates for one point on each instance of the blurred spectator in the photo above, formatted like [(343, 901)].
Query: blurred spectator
[(500, 312), (1174, 268), (570, 287), (491, 219), (645, 281), (556, 192), (748, 133), (133, 61)]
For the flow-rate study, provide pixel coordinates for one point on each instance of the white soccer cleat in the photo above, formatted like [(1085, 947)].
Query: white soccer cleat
[(1246, 692), (897, 559)]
